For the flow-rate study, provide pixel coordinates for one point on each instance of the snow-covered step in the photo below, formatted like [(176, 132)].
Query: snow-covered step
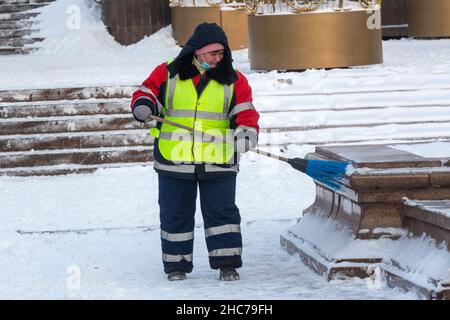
[(306, 120), (87, 156), (380, 108), (356, 134), (15, 50), (360, 126), (64, 108), (127, 122), (99, 92), (68, 124), (318, 101), (17, 24), (268, 137), (317, 84), (19, 7), (78, 140), (18, 15), (67, 169), (25, 1), (19, 42), (15, 33)]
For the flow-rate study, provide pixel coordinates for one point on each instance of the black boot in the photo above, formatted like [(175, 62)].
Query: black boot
[(176, 275), (228, 274)]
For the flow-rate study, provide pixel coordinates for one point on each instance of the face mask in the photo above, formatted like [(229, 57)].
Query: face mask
[(205, 66)]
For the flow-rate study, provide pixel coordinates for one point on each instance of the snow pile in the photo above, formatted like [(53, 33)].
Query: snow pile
[(438, 207), (320, 232), (420, 258), (74, 26), (78, 51)]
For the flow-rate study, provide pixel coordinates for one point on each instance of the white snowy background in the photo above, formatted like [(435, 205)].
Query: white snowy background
[(118, 254)]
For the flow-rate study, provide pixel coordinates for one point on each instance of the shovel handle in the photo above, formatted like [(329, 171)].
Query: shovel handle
[(175, 124), (270, 155), (181, 126)]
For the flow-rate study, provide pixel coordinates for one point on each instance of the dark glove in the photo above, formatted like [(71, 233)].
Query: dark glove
[(245, 138), (142, 112)]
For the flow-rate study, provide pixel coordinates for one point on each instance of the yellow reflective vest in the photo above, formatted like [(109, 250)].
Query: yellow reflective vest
[(207, 113)]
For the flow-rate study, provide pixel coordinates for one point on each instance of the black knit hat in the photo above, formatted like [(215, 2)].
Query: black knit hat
[(204, 34)]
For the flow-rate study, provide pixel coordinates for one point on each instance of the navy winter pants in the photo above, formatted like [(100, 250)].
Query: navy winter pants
[(177, 200)]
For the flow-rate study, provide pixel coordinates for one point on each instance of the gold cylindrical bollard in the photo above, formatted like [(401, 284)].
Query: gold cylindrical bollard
[(429, 18), (233, 22), (313, 40)]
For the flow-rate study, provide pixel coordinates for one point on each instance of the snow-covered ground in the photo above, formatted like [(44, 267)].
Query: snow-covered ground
[(118, 255), (116, 251)]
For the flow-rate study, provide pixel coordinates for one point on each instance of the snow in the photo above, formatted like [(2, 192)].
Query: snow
[(415, 255), (426, 150), (438, 207), (422, 260), (102, 239), (124, 263), (412, 170), (78, 51)]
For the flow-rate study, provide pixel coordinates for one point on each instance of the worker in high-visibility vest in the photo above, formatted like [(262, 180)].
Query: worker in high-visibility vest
[(199, 89)]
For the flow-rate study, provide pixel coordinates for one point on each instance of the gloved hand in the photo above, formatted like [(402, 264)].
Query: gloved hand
[(142, 112), (245, 138)]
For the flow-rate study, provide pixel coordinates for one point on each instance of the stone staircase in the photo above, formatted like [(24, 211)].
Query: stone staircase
[(18, 24), (59, 131), (78, 130)]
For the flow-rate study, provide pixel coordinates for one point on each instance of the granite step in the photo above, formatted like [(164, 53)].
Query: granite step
[(20, 7), (125, 138), (86, 156), (15, 2), (16, 50), (15, 33), (17, 24), (19, 42), (99, 92), (16, 16), (68, 124), (64, 108)]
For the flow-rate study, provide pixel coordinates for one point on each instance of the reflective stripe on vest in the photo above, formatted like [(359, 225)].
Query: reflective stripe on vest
[(207, 113), (241, 107)]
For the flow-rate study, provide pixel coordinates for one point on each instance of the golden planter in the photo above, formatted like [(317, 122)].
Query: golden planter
[(313, 40), (429, 18), (233, 22)]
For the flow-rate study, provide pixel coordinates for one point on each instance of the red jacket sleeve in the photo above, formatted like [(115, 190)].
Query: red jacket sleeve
[(243, 112), (151, 85)]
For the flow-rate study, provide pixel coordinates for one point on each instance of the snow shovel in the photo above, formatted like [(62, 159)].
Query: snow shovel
[(328, 172)]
